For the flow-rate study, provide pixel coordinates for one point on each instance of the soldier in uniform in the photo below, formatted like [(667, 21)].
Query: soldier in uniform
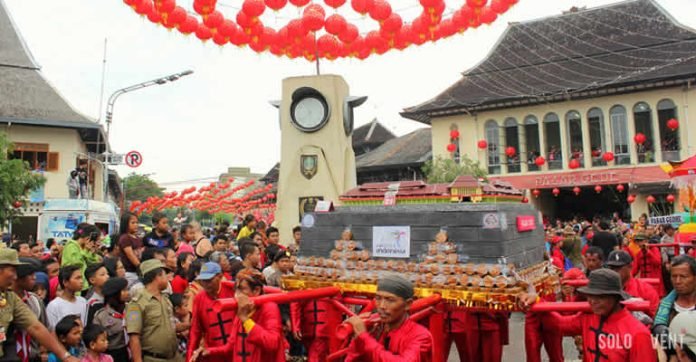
[(149, 318), (15, 315)]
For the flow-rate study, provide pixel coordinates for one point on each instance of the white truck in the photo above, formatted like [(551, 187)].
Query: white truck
[(60, 217)]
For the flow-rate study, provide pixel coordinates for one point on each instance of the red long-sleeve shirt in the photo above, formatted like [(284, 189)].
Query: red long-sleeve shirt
[(620, 337), (410, 342), (648, 264), (263, 343), (557, 258), (216, 329), (640, 289), (313, 318)]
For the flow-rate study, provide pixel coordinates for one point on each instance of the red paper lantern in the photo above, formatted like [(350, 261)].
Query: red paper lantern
[(510, 151), (177, 16), (350, 34), (335, 24), (525, 200), (598, 188), (673, 124), (630, 199), (639, 138), (17, 204), (335, 3), (536, 192), (555, 191), (620, 188), (608, 156), (451, 147), (454, 134), (476, 3), (380, 10), (482, 144), (313, 17), (299, 3), (670, 198), (362, 6), (253, 8), (540, 161), (576, 190), (276, 4), (213, 20), (203, 32), (573, 164), (650, 199)]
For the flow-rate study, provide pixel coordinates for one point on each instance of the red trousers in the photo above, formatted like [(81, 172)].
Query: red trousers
[(538, 331), (460, 341), (317, 348), (484, 346)]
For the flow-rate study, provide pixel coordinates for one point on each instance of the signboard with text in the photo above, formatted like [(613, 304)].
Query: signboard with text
[(391, 241), (667, 219), (526, 223)]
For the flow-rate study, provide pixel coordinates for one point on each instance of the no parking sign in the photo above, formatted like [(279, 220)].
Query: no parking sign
[(134, 159)]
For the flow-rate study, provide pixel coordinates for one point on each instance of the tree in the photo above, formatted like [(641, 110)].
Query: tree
[(445, 170), (16, 182), (140, 187)]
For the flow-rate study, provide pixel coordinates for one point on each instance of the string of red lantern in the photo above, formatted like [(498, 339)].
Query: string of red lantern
[(313, 33)]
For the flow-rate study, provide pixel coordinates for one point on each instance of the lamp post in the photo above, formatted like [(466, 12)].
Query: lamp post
[(110, 113)]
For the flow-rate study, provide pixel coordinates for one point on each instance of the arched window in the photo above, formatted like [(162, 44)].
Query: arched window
[(456, 155), (531, 135), (574, 123), (619, 135), (552, 132), (595, 121), (642, 117), (493, 139), (669, 139), (512, 139)]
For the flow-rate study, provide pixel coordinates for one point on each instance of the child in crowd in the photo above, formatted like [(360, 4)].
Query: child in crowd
[(96, 344), (69, 333), (114, 267), (68, 303), (110, 317), (180, 281), (96, 275), (181, 317)]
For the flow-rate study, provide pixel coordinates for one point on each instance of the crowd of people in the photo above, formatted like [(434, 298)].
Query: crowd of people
[(153, 297)]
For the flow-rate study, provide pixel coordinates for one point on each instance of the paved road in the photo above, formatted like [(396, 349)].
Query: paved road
[(514, 352)]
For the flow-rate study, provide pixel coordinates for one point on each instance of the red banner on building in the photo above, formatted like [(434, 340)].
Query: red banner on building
[(526, 223)]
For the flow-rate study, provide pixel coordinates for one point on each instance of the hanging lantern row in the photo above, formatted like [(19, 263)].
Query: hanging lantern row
[(314, 33)]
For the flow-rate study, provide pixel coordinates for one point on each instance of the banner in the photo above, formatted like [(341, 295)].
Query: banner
[(667, 219), (391, 241), (526, 223)]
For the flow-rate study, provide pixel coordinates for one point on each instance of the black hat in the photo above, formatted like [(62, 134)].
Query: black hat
[(28, 267), (280, 255), (114, 286), (604, 282), (619, 258)]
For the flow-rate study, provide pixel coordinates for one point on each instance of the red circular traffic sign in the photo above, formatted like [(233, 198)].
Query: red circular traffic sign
[(134, 159)]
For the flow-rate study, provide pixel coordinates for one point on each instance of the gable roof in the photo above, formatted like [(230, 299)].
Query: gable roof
[(373, 133), (619, 48), (26, 97), (410, 149)]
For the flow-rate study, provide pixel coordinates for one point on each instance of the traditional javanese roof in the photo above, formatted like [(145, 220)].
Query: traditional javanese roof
[(619, 48), (411, 149)]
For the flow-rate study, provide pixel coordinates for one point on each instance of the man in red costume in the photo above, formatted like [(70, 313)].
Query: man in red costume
[(258, 328), (216, 328), (395, 338), (621, 262), (486, 335), (610, 333), (312, 323), (455, 331), (647, 261)]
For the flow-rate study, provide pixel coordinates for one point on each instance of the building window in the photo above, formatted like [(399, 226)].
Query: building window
[(493, 139), (619, 135), (552, 130), (642, 117), (456, 155), (669, 139), (512, 139), (531, 135), (37, 155), (595, 121), (574, 123)]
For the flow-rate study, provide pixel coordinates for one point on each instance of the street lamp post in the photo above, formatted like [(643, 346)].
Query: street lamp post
[(110, 114)]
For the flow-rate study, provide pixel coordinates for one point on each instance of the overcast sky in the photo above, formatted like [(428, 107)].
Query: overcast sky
[(219, 117)]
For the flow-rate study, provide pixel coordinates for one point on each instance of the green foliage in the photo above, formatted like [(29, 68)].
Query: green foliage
[(16, 181), (140, 187), (445, 170)]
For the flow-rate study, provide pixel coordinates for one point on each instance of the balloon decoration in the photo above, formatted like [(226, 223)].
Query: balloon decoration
[(482, 144), (673, 124), (215, 198), (573, 164), (300, 29), (608, 156), (650, 199), (555, 191), (576, 190), (536, 192), (510, 151), (639, 138), (17, 204), (454, 134), (620, 188), (598, 189), (540, 161), (670, 198), (451, 147)]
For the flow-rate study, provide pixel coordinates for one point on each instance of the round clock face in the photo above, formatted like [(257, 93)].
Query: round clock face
[(310, 113)]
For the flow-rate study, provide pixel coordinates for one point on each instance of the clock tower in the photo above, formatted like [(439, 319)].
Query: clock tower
[(317, 160)]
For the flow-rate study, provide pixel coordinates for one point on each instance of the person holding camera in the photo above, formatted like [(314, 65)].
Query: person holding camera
[(82, 249)]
